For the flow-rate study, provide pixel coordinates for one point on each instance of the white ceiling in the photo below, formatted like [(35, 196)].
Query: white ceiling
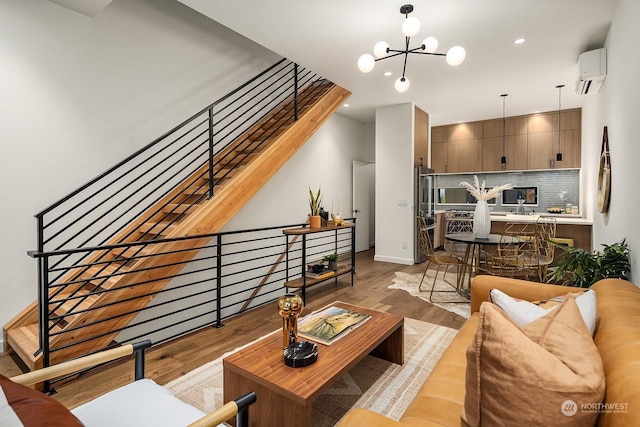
[(328, 36)]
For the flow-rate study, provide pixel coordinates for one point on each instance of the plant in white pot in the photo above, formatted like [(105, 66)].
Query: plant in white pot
[(482, 216), (315, 201)]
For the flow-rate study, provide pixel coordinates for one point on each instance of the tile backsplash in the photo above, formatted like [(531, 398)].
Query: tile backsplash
[(556, 188)]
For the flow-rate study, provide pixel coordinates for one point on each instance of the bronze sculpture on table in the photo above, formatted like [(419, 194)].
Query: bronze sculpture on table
[(295, 354)]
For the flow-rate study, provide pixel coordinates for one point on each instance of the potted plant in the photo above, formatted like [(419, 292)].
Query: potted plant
[(580, 268), (315, 200), (332, 259)]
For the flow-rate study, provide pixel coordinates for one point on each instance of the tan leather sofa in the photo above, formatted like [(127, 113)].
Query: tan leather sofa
[(617, 337)]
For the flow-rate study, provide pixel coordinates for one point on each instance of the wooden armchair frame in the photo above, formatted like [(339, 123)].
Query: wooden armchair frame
[(238, 408)]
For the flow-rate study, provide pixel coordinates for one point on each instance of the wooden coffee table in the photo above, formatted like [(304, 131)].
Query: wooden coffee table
[(285, 394)]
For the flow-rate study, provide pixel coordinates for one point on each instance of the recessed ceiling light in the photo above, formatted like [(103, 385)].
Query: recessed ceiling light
[(345, 105), (519, 41), (387, 73)]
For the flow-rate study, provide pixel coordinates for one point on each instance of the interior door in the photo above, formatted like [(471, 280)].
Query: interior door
[(363, 185)]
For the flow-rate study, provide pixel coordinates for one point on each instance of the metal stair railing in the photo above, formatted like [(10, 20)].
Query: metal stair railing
[(225, 277), (191, 154)]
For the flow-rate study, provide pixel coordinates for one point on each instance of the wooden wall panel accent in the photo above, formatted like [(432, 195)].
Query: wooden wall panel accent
[(421, 138)]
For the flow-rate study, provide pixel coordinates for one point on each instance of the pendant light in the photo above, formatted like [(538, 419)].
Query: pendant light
[(503, 159), (559, 154)]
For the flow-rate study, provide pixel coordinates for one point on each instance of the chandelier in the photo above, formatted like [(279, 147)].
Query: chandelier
[(410, 27)]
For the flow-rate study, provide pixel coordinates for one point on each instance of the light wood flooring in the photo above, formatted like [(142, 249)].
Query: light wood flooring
[(174, 359)]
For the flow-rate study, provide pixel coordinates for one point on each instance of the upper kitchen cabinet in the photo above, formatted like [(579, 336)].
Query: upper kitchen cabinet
[(544, 144), (457, 148), (530, 142), (514, 144)]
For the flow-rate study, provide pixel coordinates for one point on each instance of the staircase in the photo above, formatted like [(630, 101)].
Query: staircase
[(98, 297)]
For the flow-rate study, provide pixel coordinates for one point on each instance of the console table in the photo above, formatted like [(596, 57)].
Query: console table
[(303, 282)]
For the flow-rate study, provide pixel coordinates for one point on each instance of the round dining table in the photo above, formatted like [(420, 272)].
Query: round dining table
[(471, 257)]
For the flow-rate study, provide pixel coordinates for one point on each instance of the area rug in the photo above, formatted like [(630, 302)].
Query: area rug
[(442, 297), (375, 384)]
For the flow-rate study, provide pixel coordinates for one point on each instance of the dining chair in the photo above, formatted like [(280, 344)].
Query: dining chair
[(443, 259), (517, 253), (457, 222), (546, 230)]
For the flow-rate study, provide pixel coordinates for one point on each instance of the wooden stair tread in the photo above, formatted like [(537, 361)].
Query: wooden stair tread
[(25, 342), (157, 227), (180, 208)]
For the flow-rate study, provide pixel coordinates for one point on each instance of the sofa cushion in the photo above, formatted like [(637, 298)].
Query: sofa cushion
[(532, 375), (24, 406), (523, 312)]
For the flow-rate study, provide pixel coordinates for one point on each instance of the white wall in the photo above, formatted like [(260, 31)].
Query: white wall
[(79, 94), (394, 132), (617, 106), (324, 161)]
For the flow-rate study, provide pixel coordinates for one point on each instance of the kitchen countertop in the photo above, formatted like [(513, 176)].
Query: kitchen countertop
[(560, 218)]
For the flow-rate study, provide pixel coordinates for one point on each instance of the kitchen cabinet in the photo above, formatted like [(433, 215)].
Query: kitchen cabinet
[(530, 143)]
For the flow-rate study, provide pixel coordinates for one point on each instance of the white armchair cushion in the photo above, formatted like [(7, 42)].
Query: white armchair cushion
[(140, 403)]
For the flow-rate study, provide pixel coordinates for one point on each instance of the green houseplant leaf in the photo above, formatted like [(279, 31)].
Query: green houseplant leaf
[(580, 268), (315, 201)]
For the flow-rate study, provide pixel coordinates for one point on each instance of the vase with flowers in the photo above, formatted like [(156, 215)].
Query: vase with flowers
[(482, 216)]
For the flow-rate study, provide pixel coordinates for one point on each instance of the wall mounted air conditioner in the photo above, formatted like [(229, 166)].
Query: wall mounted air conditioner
[(592, 70)]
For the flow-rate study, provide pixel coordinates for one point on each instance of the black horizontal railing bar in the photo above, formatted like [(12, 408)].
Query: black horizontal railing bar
[(38, 254), (141, 188), (154, 142), (122, 176), (285, 76), (273, 109), (168, 277), (256, 86), (131, 208), (148, 308), (127, 313), (158, 292), (130, 299)]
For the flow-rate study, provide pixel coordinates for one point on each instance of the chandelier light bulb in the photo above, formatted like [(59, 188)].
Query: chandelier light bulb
[(366, 63), (411, 26), (402, 84), (380, 49), (456, 55), (430, 44)]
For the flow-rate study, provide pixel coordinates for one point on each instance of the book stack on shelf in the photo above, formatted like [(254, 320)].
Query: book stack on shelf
[(329, 324), (322, 274)]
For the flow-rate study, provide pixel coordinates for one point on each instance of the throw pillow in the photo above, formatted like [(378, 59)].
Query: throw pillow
[(523, 312), (23, 406), (536, 375)]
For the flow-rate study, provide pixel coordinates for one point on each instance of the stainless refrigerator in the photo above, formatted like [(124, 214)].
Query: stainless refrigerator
[(424, 202)]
